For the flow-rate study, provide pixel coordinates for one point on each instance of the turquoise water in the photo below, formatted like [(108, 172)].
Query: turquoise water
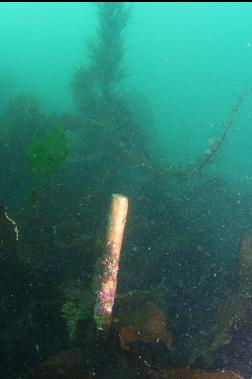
[(191, 62), (160, 110)]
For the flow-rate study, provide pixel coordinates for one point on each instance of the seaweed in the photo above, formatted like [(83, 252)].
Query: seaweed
[(210, 155), (106, 51), (72, 314), (46, 155), (111, 125)]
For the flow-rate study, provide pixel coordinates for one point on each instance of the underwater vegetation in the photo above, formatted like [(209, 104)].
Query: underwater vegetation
[(108, 121), (96, 83), (184, 288), (44, 157), (72, 313)]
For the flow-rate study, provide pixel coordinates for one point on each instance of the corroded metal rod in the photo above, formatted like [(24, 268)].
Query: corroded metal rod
[(110, 265)]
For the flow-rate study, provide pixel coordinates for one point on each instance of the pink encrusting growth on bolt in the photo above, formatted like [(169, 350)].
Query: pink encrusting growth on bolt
[(110, 265)]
